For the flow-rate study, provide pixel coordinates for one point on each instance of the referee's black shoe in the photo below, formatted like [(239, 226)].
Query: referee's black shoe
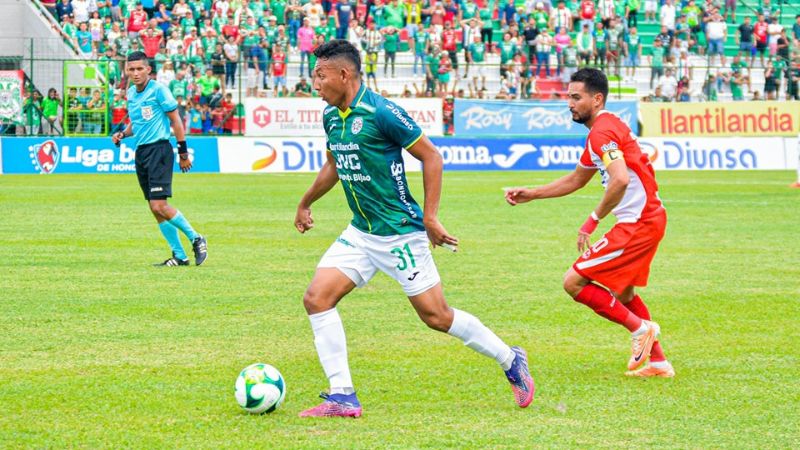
[(200, 250), (173, 262)]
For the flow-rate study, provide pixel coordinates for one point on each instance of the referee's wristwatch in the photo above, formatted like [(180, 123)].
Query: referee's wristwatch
[(183, 151)]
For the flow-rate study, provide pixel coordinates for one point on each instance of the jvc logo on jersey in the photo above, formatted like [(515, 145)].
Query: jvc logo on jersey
[(399, 114), (348, 162)]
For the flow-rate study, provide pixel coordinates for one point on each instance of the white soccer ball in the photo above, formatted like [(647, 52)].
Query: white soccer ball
[(260, 389)]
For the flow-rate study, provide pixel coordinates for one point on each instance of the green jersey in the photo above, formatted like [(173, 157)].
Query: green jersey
[(570, 56), (658, 57), (178, 88), (390, 42), (469, 10), (421, 42), (736, 89), (50, 107), (692, 14), (778, 67), (207, 84), (367, 141), (507, 51), (541, 18), (737, 67), (614, 34), (477, 52), (279, 11)]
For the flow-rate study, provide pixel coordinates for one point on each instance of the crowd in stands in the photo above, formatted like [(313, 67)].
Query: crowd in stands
[(202, 49)]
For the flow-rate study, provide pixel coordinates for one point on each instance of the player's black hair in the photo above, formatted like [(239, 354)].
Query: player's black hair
[(594, 81), (138, 56), (340, 48)]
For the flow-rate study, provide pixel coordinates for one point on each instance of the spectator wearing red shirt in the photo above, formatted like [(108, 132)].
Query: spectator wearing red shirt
[(151, 38), (587, 13), (450, 11), (230, 29), (449, 43), (277, 67), (136, 22), (760, 32), (229, 120)]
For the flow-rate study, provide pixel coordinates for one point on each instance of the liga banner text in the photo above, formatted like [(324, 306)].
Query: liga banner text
[(720, 119), (302, 117)]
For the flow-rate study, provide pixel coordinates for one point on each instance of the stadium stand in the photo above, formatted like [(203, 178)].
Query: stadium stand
[(526, 48)]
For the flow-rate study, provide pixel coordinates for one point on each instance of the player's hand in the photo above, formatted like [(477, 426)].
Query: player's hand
[(185, 164), (303, 220), (517, 195), (117, 137), (584, 241), (437, 233)]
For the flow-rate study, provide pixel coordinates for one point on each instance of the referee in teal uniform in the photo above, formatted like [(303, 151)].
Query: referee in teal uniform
[(152, 109)]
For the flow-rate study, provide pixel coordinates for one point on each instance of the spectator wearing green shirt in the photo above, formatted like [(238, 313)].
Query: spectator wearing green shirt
[(507, 50), (710, 88), (633, 51), (421, 41), (390, 40), (207, 83), (631, 11), (693, 15), (394, 14), (485, 14), (601, 39), (50, 105), (432, 69), (477, 58), (95, 121), (657, 61)]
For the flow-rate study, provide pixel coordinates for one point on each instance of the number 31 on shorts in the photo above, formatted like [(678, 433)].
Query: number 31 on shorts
[(405, 256)]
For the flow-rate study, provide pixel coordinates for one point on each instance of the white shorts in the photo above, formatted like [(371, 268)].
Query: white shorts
[(252, 78), (406, 258), (650, 6), (479, 70)]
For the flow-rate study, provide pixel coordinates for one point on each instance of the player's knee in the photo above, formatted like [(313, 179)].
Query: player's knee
[(159, 208), (573, 284), (314, 302), (439, 321)]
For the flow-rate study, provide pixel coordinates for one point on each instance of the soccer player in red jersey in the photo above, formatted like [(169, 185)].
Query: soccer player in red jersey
[(605, 275)]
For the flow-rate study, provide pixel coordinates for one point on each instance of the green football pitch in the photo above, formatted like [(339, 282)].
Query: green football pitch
[(100, 350)]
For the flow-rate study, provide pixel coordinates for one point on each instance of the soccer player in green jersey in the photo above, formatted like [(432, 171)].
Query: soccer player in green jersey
[(389, 232)]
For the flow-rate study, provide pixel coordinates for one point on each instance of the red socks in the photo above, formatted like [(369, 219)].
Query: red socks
[(603, 303), (638, 307)]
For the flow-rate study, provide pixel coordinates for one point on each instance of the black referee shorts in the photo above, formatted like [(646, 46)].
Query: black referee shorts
[(154, 163)]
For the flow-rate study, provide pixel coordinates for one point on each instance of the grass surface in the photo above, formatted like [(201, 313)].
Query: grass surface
[(100, 350)]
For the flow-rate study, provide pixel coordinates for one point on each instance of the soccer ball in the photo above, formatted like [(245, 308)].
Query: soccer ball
[(260, 389)]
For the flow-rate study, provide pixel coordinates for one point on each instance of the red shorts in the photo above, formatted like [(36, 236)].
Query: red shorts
[(622, 257)]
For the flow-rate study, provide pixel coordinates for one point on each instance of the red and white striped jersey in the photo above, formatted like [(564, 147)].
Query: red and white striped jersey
[(609, 139)]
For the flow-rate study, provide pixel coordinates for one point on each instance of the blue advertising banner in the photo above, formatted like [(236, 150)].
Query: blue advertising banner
[(510, 154), (493, 118), (50, 154)]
